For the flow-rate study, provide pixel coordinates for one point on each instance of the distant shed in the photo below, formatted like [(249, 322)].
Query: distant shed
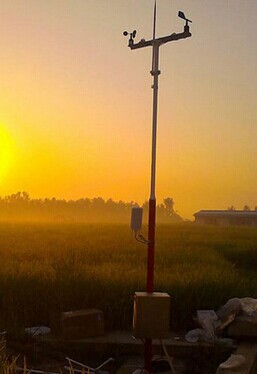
[(226, 217)]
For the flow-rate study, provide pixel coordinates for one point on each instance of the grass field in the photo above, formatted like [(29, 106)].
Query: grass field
[(45, 268)]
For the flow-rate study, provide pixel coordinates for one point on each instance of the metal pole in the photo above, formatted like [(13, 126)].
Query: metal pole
[(155, 72), (152, 201)]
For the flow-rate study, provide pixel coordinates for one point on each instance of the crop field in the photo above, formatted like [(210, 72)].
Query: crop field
[(48, 268)]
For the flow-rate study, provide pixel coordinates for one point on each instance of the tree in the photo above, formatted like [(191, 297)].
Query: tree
[(169, 204), (231, 208), (246, 208)]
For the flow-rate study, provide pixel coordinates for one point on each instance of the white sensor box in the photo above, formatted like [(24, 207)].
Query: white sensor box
[(136, 219)]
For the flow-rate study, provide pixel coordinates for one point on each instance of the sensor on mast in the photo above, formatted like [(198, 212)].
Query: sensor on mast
[(136, 219), (136, 224), (132, 36), (182, 15)]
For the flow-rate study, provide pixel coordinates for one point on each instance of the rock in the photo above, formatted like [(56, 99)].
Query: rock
[(233, 362), (249, 352), (243, 326), (37, 330), (231, 308)]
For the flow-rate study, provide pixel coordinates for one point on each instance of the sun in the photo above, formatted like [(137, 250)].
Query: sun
[(6, 152)]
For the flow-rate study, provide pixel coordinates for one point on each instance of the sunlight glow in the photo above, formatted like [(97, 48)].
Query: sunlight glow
[(6, 152), (76, 102)]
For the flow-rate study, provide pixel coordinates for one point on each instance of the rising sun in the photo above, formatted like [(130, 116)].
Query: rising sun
[(6, 152)]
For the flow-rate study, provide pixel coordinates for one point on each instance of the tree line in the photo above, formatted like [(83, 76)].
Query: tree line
[(21, 207)]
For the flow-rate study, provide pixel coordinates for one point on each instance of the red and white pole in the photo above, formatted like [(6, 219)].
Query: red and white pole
[(155, 72), (152, 201)]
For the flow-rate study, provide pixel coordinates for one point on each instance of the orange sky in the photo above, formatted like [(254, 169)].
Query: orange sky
[(76, 103)]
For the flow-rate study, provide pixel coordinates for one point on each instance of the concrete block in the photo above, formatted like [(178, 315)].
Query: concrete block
[(80, 324)]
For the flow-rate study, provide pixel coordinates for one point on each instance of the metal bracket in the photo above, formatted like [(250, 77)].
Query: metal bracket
[(141, 239)]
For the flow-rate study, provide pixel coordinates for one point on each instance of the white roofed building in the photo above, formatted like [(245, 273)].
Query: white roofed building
[(226, 217)]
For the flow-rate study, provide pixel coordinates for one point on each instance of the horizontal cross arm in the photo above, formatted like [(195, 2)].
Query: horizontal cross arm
[(165, 39)]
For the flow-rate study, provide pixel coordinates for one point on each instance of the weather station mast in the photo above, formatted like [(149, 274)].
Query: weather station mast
[(136, 217)]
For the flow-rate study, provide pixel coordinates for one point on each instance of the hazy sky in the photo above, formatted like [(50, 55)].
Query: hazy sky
[(76, 102)]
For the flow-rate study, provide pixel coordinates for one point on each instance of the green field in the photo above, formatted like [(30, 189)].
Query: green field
[(46, 268)]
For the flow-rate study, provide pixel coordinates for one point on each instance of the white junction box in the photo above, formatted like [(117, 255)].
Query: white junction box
[(136, 219), (151, 316)]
